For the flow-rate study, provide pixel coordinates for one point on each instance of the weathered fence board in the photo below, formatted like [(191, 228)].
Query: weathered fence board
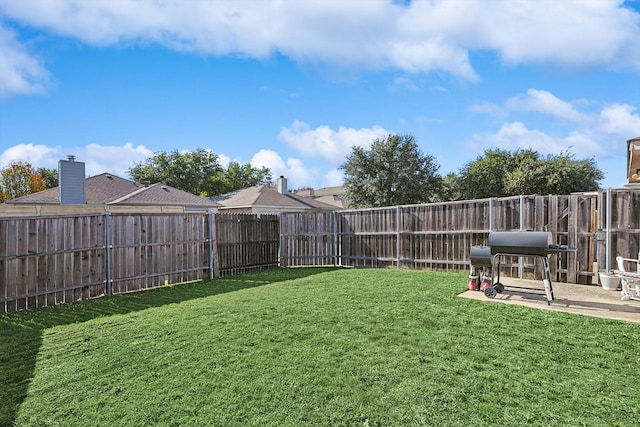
[(440, 235), (50, 260), (618, 230), (246, 242), (46, 261), (312, 234), (368, 238)]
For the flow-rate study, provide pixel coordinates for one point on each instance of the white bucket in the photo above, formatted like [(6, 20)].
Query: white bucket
[(609, 282)]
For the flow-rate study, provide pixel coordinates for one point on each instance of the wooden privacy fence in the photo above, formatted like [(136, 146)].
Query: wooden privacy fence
[(618, 226), (50, 260), (440, 235)]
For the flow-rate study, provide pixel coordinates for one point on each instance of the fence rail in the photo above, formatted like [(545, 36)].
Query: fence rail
[(50, 260), (440, 235)]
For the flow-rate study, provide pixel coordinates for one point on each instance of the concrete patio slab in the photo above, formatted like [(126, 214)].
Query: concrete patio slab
[(589, 300)]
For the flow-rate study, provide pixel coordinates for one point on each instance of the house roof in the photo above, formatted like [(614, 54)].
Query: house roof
[(330, 195), (329, 191), (268, 196), (110, 189), (335, 200)]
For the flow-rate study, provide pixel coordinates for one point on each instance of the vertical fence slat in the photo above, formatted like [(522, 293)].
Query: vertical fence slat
[(49, 260)]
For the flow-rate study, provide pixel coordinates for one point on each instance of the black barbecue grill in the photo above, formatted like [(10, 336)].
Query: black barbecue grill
[(516, 243)]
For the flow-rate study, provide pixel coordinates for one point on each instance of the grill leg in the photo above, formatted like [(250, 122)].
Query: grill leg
[(546, 277), (495, 267)]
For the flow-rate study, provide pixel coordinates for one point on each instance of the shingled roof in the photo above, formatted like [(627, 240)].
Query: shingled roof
[(266, 197), (109, 189), (331, 195)]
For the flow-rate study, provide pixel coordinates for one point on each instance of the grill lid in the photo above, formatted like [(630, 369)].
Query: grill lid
[(480, 256), (520, 242)]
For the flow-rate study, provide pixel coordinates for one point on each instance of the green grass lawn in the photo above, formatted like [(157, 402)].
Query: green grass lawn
[(321, 347)]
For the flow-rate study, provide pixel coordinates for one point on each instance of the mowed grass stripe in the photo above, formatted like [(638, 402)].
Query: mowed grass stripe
[(328, 347)]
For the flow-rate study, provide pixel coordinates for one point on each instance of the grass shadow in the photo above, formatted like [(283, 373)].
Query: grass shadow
[(21, 333)]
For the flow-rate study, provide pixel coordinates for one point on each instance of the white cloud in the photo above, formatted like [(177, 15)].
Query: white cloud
[(298, 175), (37, 155), (97, 158), (619, 121), (568, 32), (20, 72), (333, 178), (421, 37), (542, 101), (431, 55), (269, 159), (224, 160), (598, 132), (327, 143), (293, 169), (515, 136), (111, 158)]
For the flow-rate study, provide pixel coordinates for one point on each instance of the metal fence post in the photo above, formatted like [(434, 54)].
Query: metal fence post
[(334, 228), (607, 241), (280, 239), (108, 247), (398, 232), (210, 237), (521, 259)]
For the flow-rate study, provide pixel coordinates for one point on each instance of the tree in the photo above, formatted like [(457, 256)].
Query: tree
[(238, 176), (19, 179), (50, 177), (450, 188), (485, 176), (499, 173), (391, 172), (568, 175), (528, 173), (197, 172)]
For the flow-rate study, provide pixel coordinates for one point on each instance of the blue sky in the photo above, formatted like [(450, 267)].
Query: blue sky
[(295, 84)]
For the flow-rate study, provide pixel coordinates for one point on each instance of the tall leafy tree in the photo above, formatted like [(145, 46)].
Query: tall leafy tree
[(237, 176), (393, 171), (198, 172), (19, 179), (486, 175), (527, 175), (568, 175), (50, 176), (450, 188), (499, 173)]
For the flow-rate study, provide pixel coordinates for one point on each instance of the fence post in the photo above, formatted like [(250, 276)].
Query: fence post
[(521, 227), (108, 246), (398, 232), (334, 229), (210, 237), (214, 267), (607, 241), (281, 238), (490, 214)]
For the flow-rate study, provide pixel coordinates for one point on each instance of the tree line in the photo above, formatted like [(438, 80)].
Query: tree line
[(391, 171), (197, 172)]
